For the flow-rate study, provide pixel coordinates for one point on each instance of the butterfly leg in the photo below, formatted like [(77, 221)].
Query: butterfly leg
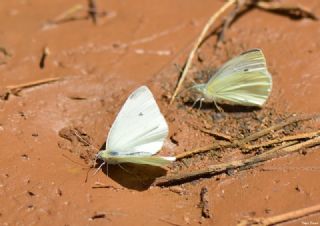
[(218, 107), (195, 102), (201, 101), (107, 169)]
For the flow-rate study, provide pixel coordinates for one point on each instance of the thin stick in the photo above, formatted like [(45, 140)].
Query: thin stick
[(197, 44), (204, 149), (45, 54), (34, 83), (15, 89), (92, 10), (168, 222), (227, 22), (295, 11), (281, 218), (237, 164), (280, 140), (216, 134), (67, 14)]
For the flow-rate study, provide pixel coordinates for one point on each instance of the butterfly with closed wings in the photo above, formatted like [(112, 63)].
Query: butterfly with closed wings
[(137, 133), (243, 80)]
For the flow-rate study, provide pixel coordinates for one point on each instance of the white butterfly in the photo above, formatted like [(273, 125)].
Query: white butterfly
[(243, 80), (137, 133)]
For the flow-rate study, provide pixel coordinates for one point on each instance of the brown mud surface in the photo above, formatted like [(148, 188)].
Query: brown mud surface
[(44, 164)]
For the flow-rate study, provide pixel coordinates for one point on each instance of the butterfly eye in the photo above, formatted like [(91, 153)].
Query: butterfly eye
[(246, 70)]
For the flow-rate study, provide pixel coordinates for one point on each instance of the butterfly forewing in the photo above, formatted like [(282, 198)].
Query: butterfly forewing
[(139, 126)]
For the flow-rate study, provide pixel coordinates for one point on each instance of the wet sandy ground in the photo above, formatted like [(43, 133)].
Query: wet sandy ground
[(42, 175)]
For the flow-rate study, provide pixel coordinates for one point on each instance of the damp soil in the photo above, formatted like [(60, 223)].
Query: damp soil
[(49, 134)]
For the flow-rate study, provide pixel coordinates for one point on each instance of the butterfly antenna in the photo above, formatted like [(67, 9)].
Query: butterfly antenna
[(191, 87), (102, 164)]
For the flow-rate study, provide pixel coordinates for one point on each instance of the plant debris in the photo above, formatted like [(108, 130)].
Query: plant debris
[(286, 217), (16, 89), (92, 10), (290, 10), (243, 142), (68, 15), (45, 54), (97, 216), (237, 164), (204, 203)]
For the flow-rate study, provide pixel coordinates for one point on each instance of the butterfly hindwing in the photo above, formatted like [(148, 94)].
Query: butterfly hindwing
[(145, 160)]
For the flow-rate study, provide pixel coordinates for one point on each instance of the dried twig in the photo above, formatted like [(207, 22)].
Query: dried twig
[(101, 185), (216, 134), (43, 58), (169, 222), (212, 19), (309, 135), (70, 15), (15, 89), (238, 164), (67, 15), (97, 216), (92, 10), (293, 11), (280, 218), (203, 149), (290, 10), (5, 52), (227, 22)]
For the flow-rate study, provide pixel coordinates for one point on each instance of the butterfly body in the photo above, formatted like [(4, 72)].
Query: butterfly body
[(244, 80)]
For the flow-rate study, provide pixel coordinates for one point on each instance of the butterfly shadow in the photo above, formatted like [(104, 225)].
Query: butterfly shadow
[(228, 108), (133, 176)]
